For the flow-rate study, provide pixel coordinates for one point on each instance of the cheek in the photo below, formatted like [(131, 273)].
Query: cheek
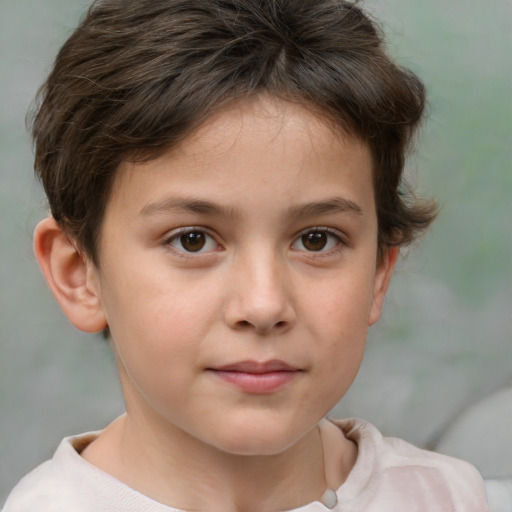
[(159, 324), (338, 318), (157, 344), (341, 307)]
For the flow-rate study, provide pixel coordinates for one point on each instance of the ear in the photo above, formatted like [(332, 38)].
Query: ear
[(385, 268), (72, 277)]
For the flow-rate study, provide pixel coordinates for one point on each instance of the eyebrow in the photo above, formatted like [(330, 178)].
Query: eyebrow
[(203, 207), (191, 205), (332, 205)]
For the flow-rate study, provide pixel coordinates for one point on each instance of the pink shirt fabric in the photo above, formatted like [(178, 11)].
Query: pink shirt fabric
[(390, 475)]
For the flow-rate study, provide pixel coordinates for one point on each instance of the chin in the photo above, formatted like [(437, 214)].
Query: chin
[(258, 439)]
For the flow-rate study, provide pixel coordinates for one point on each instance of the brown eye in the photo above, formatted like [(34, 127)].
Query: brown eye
[(193, 241), (318, 239), (315, 241)]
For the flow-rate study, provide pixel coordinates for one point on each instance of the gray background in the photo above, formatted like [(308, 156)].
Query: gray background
[(445, 340)]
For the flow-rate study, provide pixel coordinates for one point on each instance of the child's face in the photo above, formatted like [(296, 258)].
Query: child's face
[(252, 243)]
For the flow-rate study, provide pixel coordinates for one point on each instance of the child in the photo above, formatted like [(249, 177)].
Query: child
[(224, 178)]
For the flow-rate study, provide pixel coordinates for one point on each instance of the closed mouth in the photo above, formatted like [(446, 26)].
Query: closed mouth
[(257, 378), (255, 367)]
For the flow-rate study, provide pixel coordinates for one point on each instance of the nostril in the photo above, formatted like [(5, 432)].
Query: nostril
[(244, 324)]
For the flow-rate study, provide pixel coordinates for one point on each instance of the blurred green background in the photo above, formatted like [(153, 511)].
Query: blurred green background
[(446, 337)]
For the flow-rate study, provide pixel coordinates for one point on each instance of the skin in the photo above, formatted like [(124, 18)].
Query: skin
[(263, 287)]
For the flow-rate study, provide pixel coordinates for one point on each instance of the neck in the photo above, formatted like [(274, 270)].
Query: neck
[(204, 478)]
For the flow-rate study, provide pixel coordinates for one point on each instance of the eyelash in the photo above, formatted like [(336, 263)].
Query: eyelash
[(339, 241), (175, 236)]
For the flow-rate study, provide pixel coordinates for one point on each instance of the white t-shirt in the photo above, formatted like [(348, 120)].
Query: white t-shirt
[(390, 475)]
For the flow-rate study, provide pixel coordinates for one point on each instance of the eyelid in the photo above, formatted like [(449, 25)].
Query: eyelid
[(341, 239), (178, 232)]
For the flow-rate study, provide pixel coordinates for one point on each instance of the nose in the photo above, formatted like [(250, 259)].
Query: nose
[(260, 296)]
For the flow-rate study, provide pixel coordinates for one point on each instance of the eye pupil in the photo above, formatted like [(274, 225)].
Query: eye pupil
[(193, 241), (314, 241)]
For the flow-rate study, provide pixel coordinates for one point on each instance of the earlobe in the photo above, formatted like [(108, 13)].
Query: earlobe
[(383, 275), (72, 278)]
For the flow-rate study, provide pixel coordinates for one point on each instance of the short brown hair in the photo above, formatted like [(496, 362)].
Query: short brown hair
[(137, 76)]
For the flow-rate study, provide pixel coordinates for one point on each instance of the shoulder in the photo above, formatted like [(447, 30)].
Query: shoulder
[(68, 483), (44, 488), (52, 485), (394, 468)]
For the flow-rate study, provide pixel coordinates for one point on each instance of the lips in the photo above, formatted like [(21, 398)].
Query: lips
[(256, 367), (256, 377)]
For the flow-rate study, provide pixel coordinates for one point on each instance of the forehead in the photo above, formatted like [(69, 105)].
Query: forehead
[(262, 119), (257, 146)]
